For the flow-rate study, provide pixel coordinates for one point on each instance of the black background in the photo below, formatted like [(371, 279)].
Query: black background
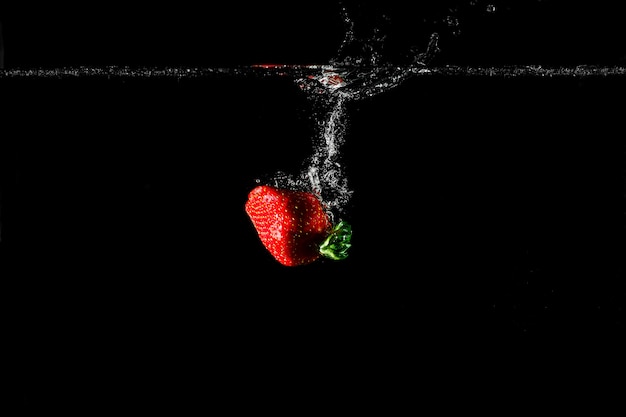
[(537, 32), (488, 213)]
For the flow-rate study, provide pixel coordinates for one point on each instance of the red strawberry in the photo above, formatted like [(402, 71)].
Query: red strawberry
[(294, 227)]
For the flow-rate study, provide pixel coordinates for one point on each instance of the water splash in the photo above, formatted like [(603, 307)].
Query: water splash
[(330, 89), (358, 71)]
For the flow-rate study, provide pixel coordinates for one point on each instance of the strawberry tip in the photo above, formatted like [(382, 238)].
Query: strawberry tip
[(337, 243)]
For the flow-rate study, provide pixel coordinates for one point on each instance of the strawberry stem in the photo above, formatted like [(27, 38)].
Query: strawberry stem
[(336, 245)]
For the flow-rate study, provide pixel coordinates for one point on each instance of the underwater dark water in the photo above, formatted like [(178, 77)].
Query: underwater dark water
[(484, 209), (487, 199)]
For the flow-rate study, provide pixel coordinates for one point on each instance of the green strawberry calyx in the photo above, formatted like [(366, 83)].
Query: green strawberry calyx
[(337, 243)]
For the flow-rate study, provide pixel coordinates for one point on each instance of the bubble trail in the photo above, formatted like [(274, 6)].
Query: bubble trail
[(324, 170)]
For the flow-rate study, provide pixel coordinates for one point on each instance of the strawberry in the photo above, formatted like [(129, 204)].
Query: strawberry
[(294, 227)]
